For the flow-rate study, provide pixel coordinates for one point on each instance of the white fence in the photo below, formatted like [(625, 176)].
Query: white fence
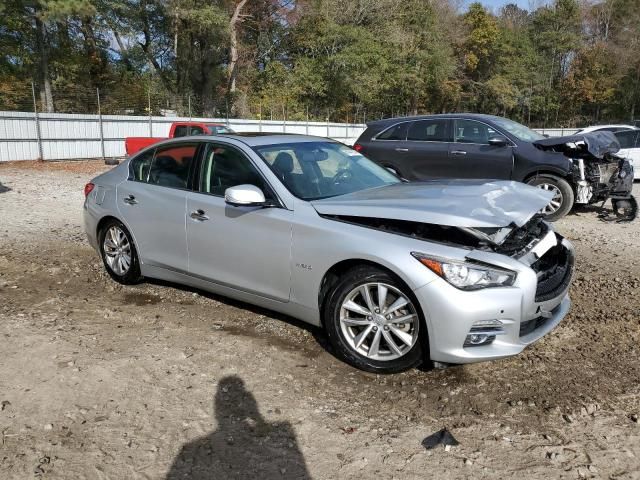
[(58, 136)]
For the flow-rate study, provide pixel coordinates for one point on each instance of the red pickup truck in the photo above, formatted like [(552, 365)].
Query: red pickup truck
[(178, 129)]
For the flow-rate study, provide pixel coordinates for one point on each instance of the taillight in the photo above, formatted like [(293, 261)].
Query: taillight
[(357, 147), (88, 188)]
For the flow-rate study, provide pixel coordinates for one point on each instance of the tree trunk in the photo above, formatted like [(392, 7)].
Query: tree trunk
[(43, 64), (233, 54)]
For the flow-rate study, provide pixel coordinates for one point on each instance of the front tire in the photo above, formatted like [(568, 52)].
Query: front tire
[(118, 253), (374, 323), (563, 197)]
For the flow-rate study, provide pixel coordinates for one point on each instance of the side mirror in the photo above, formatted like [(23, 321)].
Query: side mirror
[(498, 141), (244, 196)]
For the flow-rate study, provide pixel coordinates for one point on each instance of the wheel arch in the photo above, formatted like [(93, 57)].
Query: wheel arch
[(104, 220), (332, 275), (549, 172)]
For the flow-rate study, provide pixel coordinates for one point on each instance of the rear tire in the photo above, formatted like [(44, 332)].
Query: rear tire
[(118, 253), (381, 331), (563, 200)]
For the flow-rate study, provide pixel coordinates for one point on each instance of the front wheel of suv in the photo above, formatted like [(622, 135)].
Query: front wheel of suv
[(374, 323), (563, 196)]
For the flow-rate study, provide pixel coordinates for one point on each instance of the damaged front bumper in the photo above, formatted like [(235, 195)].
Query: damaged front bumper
[(519, 315)]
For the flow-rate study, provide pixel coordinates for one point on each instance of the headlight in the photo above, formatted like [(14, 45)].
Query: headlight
[(467, 276)]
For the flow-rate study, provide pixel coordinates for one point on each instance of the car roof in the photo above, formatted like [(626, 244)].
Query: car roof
[(475, 116)]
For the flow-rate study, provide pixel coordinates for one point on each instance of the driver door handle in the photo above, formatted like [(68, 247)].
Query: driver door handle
[(131, 200), (458, 152), (199, 215), (402, 149)]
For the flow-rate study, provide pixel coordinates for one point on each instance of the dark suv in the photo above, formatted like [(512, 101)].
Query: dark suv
[(490, 147)]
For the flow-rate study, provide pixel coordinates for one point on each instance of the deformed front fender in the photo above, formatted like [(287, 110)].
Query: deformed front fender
[(532, 161)]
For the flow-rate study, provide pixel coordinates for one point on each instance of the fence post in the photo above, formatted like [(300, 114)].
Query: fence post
[(327, 126), (307, 126), (37, 119), (149, 106), (100, 125)]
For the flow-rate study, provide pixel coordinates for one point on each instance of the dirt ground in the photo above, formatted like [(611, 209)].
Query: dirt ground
[(156, 381)]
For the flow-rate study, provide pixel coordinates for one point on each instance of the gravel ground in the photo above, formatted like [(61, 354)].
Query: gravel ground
[(98, 380)]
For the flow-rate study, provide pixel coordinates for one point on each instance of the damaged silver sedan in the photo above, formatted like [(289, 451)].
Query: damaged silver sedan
[(396, 273)]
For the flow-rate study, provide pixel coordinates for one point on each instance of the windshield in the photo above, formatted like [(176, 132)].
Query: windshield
[(518, 130), (313, 170)]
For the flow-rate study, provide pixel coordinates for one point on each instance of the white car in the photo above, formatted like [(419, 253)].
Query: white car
[(607, 128), (629, 138)]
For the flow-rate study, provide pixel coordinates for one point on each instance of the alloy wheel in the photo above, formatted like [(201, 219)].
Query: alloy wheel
[(117, 250), (379, 322), (556, 201)]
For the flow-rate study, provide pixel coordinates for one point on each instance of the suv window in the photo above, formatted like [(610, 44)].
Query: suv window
[(171, 164), (181, 131), (139, 166), (429, 131), (397, 132), (196, 131), (224, 167), (627, 138), (470, 131)]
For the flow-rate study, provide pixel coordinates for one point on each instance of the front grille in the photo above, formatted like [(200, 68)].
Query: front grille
[(554, 270), (530, 325)]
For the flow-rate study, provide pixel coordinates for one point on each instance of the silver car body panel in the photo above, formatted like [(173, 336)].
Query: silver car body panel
[(277, 257)]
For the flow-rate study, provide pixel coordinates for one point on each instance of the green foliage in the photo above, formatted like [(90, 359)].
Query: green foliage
[(564, 63)]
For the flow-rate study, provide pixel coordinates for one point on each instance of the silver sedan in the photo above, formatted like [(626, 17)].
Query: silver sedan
[(396, 273)]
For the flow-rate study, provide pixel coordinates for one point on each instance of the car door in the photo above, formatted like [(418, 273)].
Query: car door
[(247, 248), (152, 203), (425, 153), (471, 156)]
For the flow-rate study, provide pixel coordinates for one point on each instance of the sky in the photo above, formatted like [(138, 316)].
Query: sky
[(495, 5)]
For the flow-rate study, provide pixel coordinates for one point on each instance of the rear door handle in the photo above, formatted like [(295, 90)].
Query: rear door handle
[(131, 200), (458, 152), (199, 215), (402, 149)]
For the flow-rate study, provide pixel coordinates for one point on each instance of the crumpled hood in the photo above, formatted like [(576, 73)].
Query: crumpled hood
[(455, 203), (598, 143)]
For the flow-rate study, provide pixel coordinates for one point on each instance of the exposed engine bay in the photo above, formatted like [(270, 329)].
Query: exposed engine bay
[(598, 173), (512, 241)]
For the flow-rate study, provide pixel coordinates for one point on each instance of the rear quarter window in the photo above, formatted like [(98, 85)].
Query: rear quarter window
[(140, 165)]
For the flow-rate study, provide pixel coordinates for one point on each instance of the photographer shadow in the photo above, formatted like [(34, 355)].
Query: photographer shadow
[(244, 446)]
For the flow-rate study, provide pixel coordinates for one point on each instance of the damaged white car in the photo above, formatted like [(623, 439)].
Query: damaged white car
[(396, 273)]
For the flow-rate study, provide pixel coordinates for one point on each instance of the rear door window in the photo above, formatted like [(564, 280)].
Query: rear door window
[(429, 131), (397, 132), (171, 165)]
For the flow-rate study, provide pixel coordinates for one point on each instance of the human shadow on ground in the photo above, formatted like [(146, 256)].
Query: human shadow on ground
[(244, 445)]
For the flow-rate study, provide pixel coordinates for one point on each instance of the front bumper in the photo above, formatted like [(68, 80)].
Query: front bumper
[(450, 314)]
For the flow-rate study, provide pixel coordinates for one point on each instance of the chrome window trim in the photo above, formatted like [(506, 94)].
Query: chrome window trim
[(375, 137)]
